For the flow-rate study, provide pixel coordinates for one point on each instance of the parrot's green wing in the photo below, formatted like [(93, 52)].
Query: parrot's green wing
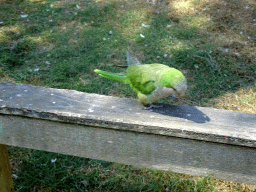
[(153, 82), (145, 77)]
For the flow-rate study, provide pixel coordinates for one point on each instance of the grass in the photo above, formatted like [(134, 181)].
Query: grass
[(44, 171), (59, 44)]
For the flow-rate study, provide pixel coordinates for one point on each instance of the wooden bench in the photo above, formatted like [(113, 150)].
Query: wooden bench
[(185, 139)]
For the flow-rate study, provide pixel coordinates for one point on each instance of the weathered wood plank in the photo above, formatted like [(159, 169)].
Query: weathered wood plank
[(206, 124), (184, 139), (5, 170), (175, 154)]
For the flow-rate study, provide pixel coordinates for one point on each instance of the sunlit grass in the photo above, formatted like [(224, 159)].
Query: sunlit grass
[(183, 7), (243, 100)]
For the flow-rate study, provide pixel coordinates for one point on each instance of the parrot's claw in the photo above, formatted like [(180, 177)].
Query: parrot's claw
[(151, 106), (174, 97)]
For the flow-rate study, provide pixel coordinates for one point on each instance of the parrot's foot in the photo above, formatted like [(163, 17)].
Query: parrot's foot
[(151, 106), (174, 97)]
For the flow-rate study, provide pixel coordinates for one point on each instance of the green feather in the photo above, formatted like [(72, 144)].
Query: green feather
[(151, 82), (111, 76)]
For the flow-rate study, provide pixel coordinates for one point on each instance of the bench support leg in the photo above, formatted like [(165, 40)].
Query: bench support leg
[(6, 184)]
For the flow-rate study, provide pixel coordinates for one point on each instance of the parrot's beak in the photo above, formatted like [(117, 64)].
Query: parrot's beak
[(174, 97)]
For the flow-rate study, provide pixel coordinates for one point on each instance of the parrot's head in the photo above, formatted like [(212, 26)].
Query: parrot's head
[(180, 87), (174, 79)]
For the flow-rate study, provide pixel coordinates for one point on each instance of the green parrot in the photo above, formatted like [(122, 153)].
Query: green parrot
[(151, 82)]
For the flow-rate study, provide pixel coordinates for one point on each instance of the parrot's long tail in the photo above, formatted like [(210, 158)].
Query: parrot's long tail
[(111, 76)]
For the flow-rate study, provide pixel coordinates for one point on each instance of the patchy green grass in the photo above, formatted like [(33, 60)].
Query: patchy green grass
[(59, 44), (45, 171), (35, 170)]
